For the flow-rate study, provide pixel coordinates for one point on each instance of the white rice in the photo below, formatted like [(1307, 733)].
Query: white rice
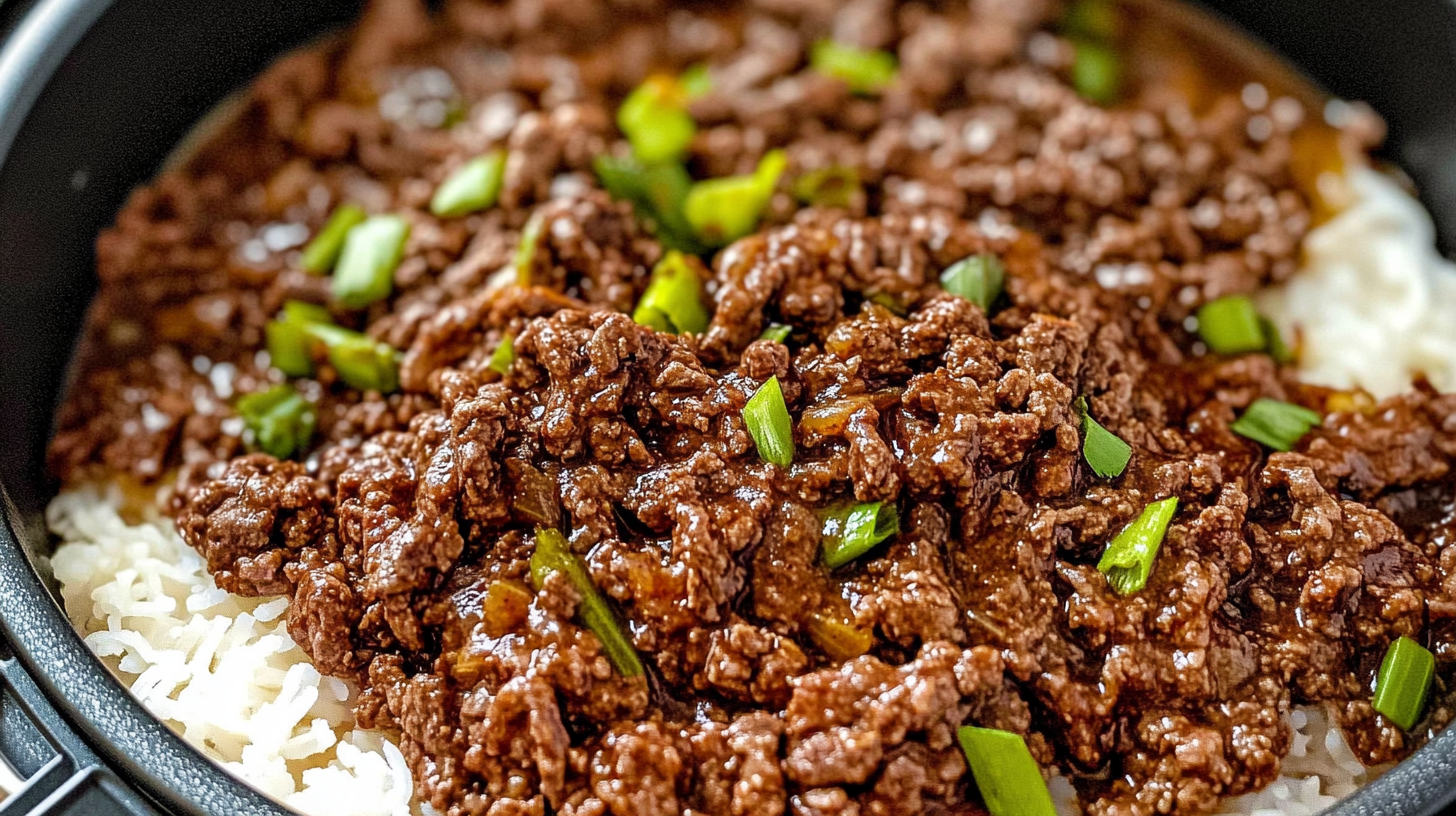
[(219, 669)]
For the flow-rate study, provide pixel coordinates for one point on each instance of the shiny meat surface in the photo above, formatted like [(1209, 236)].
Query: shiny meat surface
[(1282, 579)]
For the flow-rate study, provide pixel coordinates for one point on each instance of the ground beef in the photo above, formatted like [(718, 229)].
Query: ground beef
[(1281, 580)]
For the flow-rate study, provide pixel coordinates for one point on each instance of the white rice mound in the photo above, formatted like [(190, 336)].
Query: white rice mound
[(219, 669)]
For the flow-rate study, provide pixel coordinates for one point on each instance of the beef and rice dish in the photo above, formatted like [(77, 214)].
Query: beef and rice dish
[(815, 407)]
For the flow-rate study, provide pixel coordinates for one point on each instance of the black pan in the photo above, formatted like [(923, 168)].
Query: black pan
[(93, 96)]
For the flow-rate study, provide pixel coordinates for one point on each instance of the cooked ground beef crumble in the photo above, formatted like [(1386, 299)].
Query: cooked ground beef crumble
[(1282, 579)]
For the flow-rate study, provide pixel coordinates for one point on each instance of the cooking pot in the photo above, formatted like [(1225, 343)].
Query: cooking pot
[(94, 94)]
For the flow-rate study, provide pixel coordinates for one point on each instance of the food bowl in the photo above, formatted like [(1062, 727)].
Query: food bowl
[(94, 95)]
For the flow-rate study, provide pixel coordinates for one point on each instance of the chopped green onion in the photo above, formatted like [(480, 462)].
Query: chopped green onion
[(1231, 325), (1107, 454), (323, 251), (850, 532), (504, 355), (979, 279), (372, 252), (655, 119), (675, 294), (696, 81), (474, 187), (525, 260), (658, 192), (1275, 424), (722, 210), (864, 71), (769, 424), (361, 361), (1096, 73), (288, 340), (833, 186), (1128, 561), (889, 301), (302, 313), (1278, 349), (1404, 682), (281, 420), (1007, 775), (554, 555), (777, 333), (1097, 20)]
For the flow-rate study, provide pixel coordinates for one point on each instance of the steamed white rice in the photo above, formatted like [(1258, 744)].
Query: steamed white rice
[(1373, 308)]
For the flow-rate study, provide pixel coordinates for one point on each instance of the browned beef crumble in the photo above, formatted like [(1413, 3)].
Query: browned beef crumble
[(1281, 581)]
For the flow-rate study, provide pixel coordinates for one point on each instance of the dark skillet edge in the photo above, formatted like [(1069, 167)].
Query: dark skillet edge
[(178, 778)]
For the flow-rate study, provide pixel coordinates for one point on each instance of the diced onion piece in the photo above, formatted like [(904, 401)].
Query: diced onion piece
[(674, 294), (850, 532), (504, 355), (525, 259), (505, 607), (554, 555), (767, 417), (839, 639), (281, 420), (1275, 424), (833, 186), (1128, 561), (1104, 451), (1404, 682), (777, 333), (372, 252), (473, 187), (1231, 325), (323, 251), (865, 71), (1007, 775), (722, 210), (535, 494), (1096, 72), (361, 361), (979, 279), (655, 120)]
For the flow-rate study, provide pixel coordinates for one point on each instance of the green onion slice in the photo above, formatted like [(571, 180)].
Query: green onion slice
[(323, 251), (1404, 682), (769, 424), (1231, 325), (658, 192), (1275, 424), (1104, 451), (979, 279), (474, 187), (1096, 20), (674, 295), (722, 210), (525, 260), (655, 120), (372, 251), (288, 341), (833, 186), (361, 361), (1278, 349), (281, 420), (777, 333), (696, 81), (504, 355), (864, 71), (1128, 561), (1096, 73), (851, 531), (1007, 775), (554, 555)]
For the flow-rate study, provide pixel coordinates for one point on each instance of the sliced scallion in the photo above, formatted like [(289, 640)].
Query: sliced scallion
[(504, 355), (281, 420), (525, 259), (1006, 774), (320, 255), (722, 210), (675, 293), (655, 120), (554, 555), (777, 333), (473, 187), (372, 251), (1278, 349), (658, 192), (288, 340), (1275, 424), (1404, 682), (767, 417), (1104, 451), (1097, 20), (833, 186), (1096, 72), (1128, 561), (1231, 325), (360, 361), (865, 71), (852, 531), (979, 279), (696, 81)]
